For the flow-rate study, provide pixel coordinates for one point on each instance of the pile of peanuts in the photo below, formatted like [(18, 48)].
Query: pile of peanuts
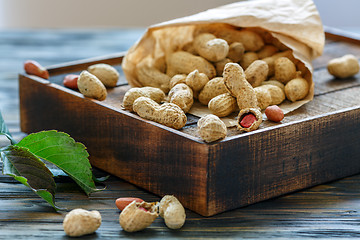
[(228, 70), (92, 83), (225, 68), (136, 215)]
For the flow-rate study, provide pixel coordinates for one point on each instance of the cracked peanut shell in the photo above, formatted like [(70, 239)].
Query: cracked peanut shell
[(255, 125), (138, 216)]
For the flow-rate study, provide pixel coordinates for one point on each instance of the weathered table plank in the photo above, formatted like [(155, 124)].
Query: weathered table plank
[(325, 211)]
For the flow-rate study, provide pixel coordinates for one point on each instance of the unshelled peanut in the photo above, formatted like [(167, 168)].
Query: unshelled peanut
[(275, 83), (249, 117), (257, 72), (220, 65), (343, 67), (263, 97), (79, 222), (277, 95), (90, 86), (172, 211), (252, 41), (182, 95), (168, 114), (189, 47), (296, 89), (236, 51), (196, 80), (213, 88), (132, 94), (211, 128), (176, 79), (223, 105), (235, 81), (267, 51), (150, 76), (247, 59), (181, 62), (271, 60), (284, 69), (106, 73), (211, 48)]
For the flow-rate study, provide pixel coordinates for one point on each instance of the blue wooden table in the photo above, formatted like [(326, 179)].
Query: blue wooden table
[(326, 211)]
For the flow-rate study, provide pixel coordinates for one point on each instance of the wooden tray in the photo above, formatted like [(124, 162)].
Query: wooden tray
[(315, 144)]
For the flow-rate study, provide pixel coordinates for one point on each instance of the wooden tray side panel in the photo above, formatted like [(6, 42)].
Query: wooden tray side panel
[(122, 144), (283, 160)]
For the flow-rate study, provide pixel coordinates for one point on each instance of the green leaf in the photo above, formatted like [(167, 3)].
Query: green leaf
[(62, 150), (5, 131), (28, 169)]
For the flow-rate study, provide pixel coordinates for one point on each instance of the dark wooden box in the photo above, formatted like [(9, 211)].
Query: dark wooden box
[(315, 144)]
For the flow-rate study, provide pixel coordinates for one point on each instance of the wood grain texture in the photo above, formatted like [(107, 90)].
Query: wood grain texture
[(305, 150), (322, 212), (328, 211), (284, 159), (139, 151)]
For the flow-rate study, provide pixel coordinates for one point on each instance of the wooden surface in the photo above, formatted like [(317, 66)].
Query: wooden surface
[(255, 169), (326, 211)]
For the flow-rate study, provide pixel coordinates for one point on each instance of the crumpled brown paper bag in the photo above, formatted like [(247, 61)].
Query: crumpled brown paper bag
[(295, 23)]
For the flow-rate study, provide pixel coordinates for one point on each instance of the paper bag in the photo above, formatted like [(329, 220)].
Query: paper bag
[(295, 23)]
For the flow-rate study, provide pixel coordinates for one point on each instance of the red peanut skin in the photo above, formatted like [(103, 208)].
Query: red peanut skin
[(248, 120), (70, 81), (274, 113), (121, 203), (34, 68)]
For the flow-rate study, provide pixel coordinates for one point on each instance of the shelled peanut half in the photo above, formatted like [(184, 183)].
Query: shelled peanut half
[(226, 69)]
